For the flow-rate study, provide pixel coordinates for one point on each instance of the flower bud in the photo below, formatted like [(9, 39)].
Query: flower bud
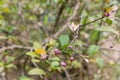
[(71, 58), (106, 14), (70, 47), (19, 13), (63, 64), (111, 46), (57, 51)]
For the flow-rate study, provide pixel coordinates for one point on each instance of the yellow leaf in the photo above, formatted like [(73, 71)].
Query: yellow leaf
[(107, 1), (7, 10), (1, 17)]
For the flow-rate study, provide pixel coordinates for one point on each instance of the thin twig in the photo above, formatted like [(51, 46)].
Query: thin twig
[(23, 19), (68, 21), (6, 74), (58, 16), (103, 4), (15, 46), (67, 74)]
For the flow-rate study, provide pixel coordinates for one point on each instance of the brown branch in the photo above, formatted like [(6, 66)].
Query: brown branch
[(71, 18), (68, 21), (67, 74), (110, 49), (15, 46), (103, 4), (58, 16)]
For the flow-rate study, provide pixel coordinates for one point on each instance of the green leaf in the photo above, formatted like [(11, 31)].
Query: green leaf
[(55, 64), (45, 20), (76, 64), (36, 45), (1, 64), (10, 59), (24, 78), (36, 71), (92, 50), (94, 36), (108, 29), (11, 66), (100, 62), (109, 22), (35, 60), (32, 54), (55, 59), (64, 40)]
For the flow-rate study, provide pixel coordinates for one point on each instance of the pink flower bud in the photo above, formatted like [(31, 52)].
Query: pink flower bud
[(71, 58), (70, 47), (63, 64), (19, 13), (57, 51), (106, 14), (111, 46)]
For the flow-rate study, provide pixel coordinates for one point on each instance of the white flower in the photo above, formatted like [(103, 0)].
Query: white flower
[(113, 12), (73, 27)]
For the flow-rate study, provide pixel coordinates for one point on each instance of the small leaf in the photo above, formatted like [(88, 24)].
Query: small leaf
[(109, 22), (45, 20), (55, 59), (94, 35), (76, 64), (10, 59), (1, 64), (100, 62), (55, 64), (36, 71), (108, 29), (92, 50), (7, 10), (64, 40), (36, 45), (32, 54), (24, 78), (11, 66), (35, 60)]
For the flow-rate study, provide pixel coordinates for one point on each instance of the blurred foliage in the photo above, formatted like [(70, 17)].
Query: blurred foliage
[(29, 50)]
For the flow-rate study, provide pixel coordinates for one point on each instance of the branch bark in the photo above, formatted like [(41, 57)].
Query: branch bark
[(68, 21)]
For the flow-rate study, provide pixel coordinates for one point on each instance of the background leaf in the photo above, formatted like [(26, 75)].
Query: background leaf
[(92, 50), (100, 62), (107, 29), (109, 22), (36, 71), (64, 40)]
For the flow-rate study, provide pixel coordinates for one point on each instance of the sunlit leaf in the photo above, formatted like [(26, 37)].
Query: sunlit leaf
[(11, 66), (36, 71), (1, 64), (24, 78), (108, 29), (32, 54), (35, 60), (100, 62), (64, 40), (76, 64), (109, 21), (92, 50), (55, 63), (7, 10), (55, 59), (36, 45), (45, 19)]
